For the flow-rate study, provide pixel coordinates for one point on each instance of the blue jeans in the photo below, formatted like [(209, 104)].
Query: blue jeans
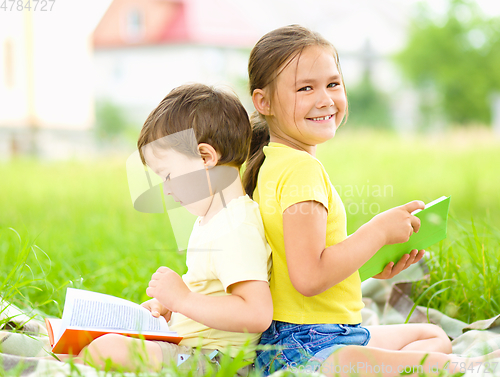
[(305, 346)]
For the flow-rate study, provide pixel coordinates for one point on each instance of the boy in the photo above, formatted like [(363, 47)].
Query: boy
[(196, 140)]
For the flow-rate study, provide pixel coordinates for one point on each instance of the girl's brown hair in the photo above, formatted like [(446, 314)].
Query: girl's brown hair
[(266, 61)]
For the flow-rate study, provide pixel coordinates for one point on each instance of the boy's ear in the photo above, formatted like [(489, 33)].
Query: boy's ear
[(261, 101), (208, 153)]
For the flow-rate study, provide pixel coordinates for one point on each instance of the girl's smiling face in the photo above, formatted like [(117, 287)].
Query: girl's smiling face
[(309, 101)]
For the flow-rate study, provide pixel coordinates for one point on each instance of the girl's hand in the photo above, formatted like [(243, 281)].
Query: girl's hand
[(406, 261), (396, 225), (157, 309), (168, 288)]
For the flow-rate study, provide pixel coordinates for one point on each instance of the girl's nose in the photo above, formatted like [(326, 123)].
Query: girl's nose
[(324, 99)]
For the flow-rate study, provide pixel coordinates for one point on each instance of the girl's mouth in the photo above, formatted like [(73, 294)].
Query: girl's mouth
[(319, 119)]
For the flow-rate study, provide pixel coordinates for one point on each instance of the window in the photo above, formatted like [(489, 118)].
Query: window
[(134, 25)]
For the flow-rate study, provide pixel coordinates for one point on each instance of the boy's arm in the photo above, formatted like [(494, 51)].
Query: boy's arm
[(248, 308)]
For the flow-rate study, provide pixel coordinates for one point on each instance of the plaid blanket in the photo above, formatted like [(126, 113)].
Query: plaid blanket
[(386, 302)]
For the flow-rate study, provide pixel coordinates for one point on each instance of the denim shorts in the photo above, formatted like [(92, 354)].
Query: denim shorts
[(289, 345)]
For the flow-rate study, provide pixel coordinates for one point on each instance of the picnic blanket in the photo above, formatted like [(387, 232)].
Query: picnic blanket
[(386, 302)]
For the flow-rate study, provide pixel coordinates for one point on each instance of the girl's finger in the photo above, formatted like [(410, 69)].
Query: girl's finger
[(388, 270), (419, 255), (415, 256), (414, 205), (401, 265), (409, 261), (415, 223)]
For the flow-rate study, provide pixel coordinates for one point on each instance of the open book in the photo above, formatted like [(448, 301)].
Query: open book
[(88, 315), (433, 222)]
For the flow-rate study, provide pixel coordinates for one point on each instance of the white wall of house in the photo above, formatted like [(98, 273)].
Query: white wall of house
[(138, 78), (46, 78)]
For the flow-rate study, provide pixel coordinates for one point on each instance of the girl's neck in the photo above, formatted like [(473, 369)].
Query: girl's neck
[(292, 143)]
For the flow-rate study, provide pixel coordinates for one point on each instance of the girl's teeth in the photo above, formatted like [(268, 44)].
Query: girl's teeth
[(322, 118)]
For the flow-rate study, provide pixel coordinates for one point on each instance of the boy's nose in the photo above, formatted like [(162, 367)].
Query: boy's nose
[(166, 188)]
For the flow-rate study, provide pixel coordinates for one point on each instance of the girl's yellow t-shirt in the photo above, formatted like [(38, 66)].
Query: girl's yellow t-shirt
[(289, 176)]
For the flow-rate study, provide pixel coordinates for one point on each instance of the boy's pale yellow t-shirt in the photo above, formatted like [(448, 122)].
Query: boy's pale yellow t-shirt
[(289, 176), (230, 248)]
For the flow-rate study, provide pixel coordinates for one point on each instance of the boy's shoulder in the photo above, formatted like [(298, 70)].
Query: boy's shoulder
[(237, 230), (232, 221)]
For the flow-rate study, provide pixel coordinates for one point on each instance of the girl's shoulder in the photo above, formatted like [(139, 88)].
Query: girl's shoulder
[(290, 159)]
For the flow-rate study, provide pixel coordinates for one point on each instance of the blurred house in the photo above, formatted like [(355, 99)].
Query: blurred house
[(145, 48), (57, 66)]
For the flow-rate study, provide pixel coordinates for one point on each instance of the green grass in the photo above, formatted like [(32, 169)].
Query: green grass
[(77, 226), (81, 215)]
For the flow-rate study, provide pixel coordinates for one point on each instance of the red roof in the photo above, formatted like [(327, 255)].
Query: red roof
[(209, 22)]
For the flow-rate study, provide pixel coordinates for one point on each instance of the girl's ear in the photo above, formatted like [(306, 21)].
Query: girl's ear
[(209, 155), (261, 102)]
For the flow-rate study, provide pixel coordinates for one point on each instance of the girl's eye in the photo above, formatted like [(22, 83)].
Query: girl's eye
[(305, 89), (167, 178), (333, 84)]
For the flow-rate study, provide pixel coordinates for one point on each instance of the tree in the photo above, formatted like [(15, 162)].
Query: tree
[(110, 120), (457, 56), (368, 107)]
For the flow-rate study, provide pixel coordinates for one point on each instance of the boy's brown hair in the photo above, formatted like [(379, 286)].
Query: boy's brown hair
[(217, 117)]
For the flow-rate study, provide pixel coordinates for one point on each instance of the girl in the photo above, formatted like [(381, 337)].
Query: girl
[(298, 91)]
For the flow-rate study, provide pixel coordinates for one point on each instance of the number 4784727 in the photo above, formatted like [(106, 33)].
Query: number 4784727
[(20, 5), (462, 367)]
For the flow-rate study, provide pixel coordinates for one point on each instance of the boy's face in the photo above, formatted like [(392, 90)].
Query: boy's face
[(184, 177)]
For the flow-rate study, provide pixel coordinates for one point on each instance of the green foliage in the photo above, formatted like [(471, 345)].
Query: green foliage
[(367, 106), (110, 120), (458, 57)]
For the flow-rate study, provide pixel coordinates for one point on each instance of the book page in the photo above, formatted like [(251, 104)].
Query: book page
[(91, 310), (106, 315)]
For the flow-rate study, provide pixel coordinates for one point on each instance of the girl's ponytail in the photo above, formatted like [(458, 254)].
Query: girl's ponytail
[(260, 138)]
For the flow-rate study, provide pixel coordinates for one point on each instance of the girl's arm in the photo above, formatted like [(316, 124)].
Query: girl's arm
[(313, 267), (248, 308)]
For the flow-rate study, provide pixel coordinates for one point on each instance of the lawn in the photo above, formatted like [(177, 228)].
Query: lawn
[(87, 235)]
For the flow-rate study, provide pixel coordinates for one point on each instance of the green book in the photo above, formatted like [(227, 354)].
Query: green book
[(433, 222)]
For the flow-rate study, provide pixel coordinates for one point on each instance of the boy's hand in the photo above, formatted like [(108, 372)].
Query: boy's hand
[(168, 288), (406, 261), (157, 309), (397, 224)]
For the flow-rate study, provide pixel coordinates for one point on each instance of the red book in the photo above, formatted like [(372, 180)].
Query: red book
[(88, 315)]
